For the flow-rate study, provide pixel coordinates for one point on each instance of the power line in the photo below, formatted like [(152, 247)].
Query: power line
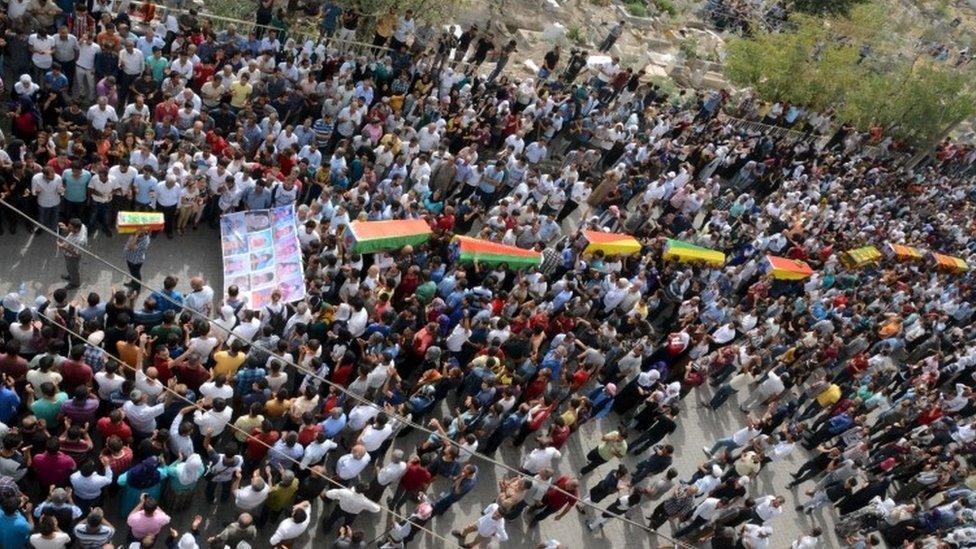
[(402, 419), (233, 427)]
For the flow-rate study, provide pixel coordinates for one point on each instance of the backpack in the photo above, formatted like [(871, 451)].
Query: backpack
[(277, 319)]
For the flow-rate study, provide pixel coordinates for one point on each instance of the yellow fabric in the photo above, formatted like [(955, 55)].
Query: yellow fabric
[(829, 396), (226, 364)]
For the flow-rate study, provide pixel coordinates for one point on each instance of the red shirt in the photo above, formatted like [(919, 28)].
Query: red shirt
[(164, 109), (556, 499), (13, 365), (307, 434), (415, 478), (106, 427), (75, 374), (193, 378), (259, 442), (163, 372), (53, 469)]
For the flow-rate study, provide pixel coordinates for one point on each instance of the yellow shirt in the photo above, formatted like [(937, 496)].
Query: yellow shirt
[(239, 92), (569, 417), (385, 25), (245, 424), (829, 396), (226, 364)]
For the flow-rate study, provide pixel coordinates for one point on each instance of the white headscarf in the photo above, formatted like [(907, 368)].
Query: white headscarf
[(189, 472)]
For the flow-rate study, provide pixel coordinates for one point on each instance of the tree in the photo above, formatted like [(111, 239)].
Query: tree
[(823, 64), (826, 7)]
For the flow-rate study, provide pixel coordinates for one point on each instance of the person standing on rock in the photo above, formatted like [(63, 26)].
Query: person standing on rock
[(611, 38), (504, 54)]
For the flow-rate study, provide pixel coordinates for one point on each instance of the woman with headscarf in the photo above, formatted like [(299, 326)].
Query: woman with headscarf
[(25, 120), (183, 477), (145, 477)]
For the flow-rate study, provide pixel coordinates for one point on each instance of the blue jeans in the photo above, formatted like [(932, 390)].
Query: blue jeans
[(101, 215), (726, 443), (49, 216)]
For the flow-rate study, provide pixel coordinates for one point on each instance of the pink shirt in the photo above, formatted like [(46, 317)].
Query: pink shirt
[(142, 524)]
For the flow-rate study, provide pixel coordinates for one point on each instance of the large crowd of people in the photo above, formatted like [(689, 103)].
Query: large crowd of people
[(152, 402)]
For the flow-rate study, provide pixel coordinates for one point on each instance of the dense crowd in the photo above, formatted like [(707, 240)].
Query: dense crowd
[(149, 400)]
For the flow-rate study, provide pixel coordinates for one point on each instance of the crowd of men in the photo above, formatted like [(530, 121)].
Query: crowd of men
[(157, 401)]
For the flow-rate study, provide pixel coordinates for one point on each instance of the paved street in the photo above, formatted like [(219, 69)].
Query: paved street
[(33, 260)]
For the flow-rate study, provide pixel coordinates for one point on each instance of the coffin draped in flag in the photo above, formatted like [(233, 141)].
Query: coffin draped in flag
[(782, 268), (366, 237), (130, 222), (949, 263), (469, 250), (859, 257), (689, 253), (611, 243), (901, 252)]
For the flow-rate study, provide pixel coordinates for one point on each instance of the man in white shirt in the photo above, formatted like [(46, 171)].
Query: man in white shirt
[(131, 64), (349, 503), (87, 483), (167, 195), (490, 525), (540, 458), (768, 508), (102, 190), (251, 497), (702, 515), (101, 114), (293, 526), (42, 49), (212, 422), (200, 298), (350, 465), (141, 416), (47, 187), (375, 435), (85, 69)]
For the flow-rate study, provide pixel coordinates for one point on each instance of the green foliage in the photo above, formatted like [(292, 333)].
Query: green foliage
[(819, 65), (666, 6), (689, 46), (575, 34), (637, 8), (826, 7)]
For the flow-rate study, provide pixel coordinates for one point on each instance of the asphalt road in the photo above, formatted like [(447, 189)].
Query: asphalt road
[(32, 260)]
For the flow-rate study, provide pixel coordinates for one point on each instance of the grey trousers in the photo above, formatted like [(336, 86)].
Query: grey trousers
[(72, 265)]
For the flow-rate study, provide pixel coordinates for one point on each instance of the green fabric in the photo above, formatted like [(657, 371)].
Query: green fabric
[(47, 410), (391, 243)]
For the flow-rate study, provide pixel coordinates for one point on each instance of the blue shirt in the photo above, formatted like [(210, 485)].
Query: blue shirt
[(9, 401), (333, 426), (143, 185), (14, 530), (76, 188), (163, 304)]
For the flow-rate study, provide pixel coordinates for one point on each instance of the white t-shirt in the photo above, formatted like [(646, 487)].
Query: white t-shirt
[(48, 191), (41, 50), (247, 499), (540, 458), (59, 541), (99, 118)]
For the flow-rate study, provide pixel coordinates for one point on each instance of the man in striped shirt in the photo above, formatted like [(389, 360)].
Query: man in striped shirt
[(135, 255)]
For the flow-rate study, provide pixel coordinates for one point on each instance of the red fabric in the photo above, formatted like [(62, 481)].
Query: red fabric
[(557, 499), (415, 478), (259, 442), (106, 427)]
